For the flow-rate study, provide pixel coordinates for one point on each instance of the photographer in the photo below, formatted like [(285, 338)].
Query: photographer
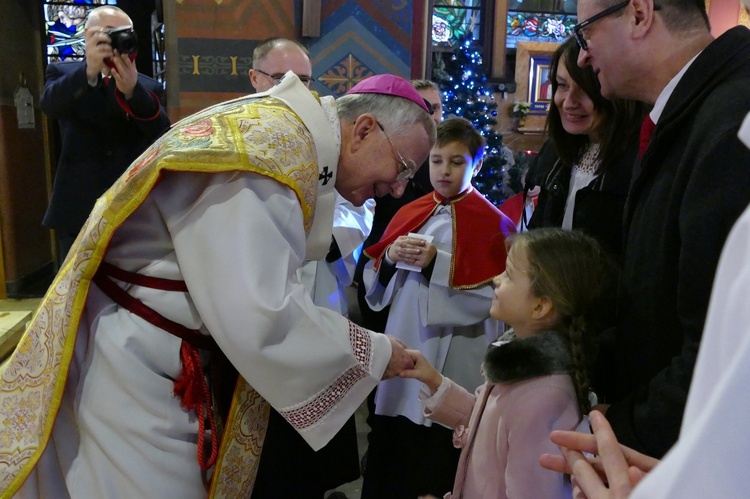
[(108, 115)]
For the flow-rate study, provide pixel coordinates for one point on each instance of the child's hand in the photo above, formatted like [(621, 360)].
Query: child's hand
[(412, 251), (425, 256), (423, 371)]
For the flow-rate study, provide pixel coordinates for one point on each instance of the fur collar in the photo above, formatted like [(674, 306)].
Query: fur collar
[(510, 359)]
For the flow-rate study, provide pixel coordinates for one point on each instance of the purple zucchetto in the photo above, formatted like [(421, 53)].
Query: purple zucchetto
[(388, 84)]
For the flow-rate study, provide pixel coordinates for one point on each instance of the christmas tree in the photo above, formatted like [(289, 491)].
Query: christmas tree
[(467, 93)]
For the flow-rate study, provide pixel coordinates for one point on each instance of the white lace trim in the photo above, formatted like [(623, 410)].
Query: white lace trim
[(589, 161)]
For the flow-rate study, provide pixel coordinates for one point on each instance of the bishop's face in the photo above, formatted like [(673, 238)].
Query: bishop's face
[(373, 158)]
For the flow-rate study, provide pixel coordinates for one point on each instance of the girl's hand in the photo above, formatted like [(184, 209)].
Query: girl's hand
[(423, 371)]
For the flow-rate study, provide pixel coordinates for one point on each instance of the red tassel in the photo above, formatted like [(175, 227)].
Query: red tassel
[(192, 389)]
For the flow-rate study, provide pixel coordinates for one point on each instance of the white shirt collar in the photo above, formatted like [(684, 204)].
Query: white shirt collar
[(665, 94)]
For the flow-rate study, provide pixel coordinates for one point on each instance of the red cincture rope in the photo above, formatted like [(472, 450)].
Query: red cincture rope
[(191, 385)]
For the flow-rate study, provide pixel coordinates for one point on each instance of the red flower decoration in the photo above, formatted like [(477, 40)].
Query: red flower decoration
[(201, 129), (146, 160)]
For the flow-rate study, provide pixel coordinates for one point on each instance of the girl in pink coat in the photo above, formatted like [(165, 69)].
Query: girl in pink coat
[(536, 373)]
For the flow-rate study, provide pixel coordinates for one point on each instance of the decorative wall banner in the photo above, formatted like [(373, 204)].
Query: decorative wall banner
[(209, 65), (358, 38)]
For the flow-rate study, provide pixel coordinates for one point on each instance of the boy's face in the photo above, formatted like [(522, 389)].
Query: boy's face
[(451, 168)]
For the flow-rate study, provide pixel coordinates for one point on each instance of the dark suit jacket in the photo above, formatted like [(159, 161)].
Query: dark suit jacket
[(690, 188), (100, 137)]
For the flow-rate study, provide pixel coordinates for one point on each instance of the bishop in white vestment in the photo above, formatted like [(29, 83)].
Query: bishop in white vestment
[(202, 236)]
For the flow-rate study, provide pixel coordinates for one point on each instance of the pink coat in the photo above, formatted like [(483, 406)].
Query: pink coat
[(507, 429)]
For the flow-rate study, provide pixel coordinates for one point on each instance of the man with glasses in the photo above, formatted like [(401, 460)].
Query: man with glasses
[(273, 57), (387, 206), (187, 268), (690, 185)]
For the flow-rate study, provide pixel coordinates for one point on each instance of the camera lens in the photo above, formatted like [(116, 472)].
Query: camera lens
[(124, 40)]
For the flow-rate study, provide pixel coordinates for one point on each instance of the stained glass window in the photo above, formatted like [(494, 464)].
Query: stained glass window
[(538, 27), (479, 22), (64, 22), (452, 20)]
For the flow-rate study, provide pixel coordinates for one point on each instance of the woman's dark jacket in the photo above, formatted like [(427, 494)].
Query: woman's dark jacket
[(599, 206)]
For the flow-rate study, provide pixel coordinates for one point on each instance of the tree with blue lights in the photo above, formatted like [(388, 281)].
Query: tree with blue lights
[(467, 93)]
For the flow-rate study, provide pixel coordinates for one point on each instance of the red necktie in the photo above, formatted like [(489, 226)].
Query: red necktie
[(647, 128)]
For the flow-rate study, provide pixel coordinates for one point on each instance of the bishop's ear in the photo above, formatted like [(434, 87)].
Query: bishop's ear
[(364, 125)]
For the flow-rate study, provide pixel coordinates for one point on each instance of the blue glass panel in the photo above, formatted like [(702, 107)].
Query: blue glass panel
[(64, 22)]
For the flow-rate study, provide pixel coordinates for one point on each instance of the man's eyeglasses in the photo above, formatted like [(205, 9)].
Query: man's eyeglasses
[(278, 76), (408, 169), (578, 33)]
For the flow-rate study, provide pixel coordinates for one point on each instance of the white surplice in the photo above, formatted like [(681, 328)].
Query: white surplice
[(327, 281), (451, 327)]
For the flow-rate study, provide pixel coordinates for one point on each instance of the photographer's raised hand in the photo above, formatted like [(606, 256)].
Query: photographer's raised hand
[(124, 73), (98, 48)]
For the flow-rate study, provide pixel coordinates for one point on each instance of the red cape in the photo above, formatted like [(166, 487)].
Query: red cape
[(479, 231), (513, 206)]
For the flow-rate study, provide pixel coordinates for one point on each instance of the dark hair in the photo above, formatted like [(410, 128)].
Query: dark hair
[(576, 274), (619, 119), (678, 15), (456, 129)]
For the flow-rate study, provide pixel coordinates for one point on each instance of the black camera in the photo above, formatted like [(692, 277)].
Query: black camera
[(124, 40)]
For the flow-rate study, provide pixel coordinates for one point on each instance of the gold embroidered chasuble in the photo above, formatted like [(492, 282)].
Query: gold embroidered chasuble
[(218, 139)]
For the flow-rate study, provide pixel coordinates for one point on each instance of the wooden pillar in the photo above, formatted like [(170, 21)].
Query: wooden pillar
[(3, 291), (311, 18)]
